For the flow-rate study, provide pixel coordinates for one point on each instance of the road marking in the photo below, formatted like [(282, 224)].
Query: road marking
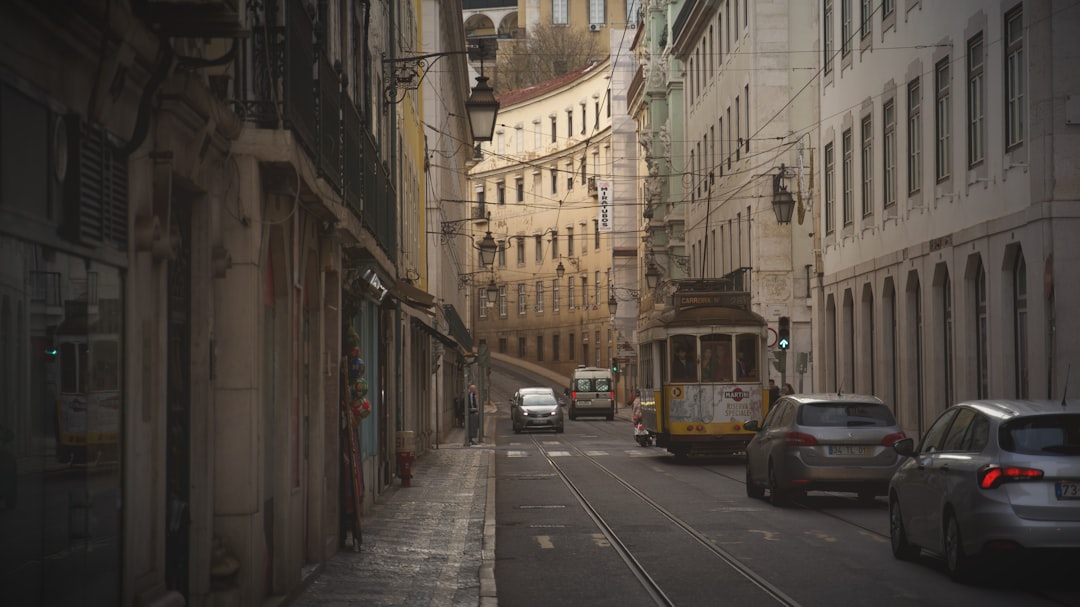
[(517, 454), (600, 540), (544, 541), (595, 453), (768, 536), (558, 454)]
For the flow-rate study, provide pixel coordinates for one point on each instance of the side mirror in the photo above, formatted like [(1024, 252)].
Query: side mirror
[(905, 447), (752, 426)]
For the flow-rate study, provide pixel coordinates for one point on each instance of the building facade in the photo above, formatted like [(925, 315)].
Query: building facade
[(750, 125), (206, 272), (542, 189), (946, 202)]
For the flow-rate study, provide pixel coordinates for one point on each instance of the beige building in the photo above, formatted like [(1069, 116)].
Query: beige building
[(542, 189)]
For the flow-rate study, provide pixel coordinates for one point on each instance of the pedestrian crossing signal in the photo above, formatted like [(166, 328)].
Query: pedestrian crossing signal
[(784, 333)]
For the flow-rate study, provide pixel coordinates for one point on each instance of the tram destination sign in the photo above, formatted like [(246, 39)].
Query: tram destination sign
[(700, 299)]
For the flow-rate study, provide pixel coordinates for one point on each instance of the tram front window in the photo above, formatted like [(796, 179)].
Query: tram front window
[(746, 356), (716, 358), (683, 359)]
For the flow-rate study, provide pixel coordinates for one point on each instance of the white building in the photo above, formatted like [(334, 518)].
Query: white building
[(750, 115), (947, 206)]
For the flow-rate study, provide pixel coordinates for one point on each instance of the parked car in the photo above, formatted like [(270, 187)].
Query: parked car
[(989, 477), (536, 410), (822, 442)]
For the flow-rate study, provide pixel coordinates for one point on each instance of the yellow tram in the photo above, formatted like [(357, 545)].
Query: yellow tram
[(703, 364)]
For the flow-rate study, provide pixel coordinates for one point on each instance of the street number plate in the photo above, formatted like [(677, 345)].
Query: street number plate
[(1067, 490), (848, 450)]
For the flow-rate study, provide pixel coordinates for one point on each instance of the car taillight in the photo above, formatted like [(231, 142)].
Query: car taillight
[(612, 395), (992, 476), (798, 439), (890, 439), (573, 395)]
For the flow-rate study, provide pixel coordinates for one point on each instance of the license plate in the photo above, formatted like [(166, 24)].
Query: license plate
[(1067, 490), (848, 450)]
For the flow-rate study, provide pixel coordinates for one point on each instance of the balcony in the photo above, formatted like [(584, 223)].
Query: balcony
[(285, 80)]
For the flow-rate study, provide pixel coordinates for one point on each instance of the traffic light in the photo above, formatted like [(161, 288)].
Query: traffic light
[(614, 365), (784, 334)]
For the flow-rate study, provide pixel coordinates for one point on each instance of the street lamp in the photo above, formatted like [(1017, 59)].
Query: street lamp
[(560, 270), (782, 202), (652, 276), (488, 247), (612, 304), (483, 109), (492, 291)]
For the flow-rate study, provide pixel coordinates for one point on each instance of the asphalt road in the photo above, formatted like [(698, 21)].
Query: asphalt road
[(588, 517)]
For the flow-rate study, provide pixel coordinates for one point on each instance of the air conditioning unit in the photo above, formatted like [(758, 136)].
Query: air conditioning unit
[(594, 27)]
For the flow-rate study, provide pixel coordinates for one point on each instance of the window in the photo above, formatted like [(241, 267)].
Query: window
[(500, 192), (558, 12), (827, 34), (502, 301), (867, 133), (583, 120), (866, 17), (540, 348), (536, 134), (942, 165), (729, 139), (596, 345), (555, 295), (519, 185), (570, 349), (596, 292), (596, 234), (738, 130), (539, 296), (539, 248), (554, 128), (914, 133), (521, 299), (582, 170), (502, 345), (521, 250), (1014, 78), (845, 27), (975, 124), (502, 253), (746, 98), (555, 347), (554, 180), (569, 241), (554, 245), (982, 336), (569, 123), (1020, 330), (830, 188), (519, 139), (888, 119), (846, 170), (570, 291), (584, 291), (888, 7), (596, 11), (500, 143), (521, 347), (569, 176), (947, 336), (482, 298)]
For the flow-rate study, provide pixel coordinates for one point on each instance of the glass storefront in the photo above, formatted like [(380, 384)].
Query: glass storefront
[(61, 412)]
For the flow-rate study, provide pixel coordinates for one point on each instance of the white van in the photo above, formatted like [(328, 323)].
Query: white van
[(592, 392)]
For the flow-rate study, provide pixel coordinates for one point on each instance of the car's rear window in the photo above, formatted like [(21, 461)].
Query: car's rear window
[(845, 415), (1042, 435), (590, 384)]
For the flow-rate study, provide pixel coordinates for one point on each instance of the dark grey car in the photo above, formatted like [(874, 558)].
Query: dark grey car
[(532, 409), (822, 442)]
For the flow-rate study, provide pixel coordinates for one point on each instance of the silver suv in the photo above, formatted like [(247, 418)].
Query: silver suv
[(536, 408), (823, 442)]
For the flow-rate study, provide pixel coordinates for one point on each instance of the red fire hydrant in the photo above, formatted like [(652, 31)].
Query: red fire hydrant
[(405, 461)]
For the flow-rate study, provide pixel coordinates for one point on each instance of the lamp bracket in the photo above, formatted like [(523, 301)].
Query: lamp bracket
[(407, 73)]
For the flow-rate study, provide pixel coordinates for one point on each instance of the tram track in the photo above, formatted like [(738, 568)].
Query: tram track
[(640, 572)]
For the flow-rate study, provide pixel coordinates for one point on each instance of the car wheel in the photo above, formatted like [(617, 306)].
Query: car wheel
[(777, 496), (902, 549), (958, 563), (752, 490)]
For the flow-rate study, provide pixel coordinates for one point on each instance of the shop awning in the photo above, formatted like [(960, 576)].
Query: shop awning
[(457, 329), (408, 294)]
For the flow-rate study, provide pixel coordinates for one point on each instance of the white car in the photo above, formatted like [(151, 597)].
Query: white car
[(989, 477)]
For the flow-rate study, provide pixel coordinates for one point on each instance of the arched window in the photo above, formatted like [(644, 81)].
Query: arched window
[(980, 331), (1020, 329)]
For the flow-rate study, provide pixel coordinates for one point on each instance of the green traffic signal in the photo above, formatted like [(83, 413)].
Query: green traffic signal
[(784, 333)]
